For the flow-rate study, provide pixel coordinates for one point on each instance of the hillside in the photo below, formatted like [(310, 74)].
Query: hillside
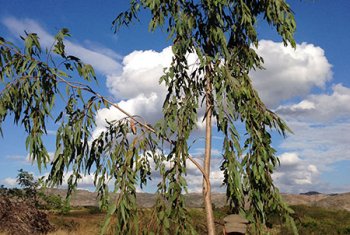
[(331, 201), (339, 201)]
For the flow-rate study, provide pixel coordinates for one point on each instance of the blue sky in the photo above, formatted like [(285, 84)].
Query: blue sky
[(308, 86)]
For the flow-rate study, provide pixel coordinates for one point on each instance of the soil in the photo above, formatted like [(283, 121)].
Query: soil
[(21, 217)]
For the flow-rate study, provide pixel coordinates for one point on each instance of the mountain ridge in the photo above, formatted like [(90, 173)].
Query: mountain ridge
[(340, 201)]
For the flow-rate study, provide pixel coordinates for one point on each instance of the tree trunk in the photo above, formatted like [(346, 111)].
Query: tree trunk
[(207, 156)]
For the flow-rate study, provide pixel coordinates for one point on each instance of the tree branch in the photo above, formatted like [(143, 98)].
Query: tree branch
[(132, 117)]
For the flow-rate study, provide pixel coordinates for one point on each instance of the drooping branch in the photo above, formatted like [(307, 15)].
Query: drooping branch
[(56, 75), (132, 117)]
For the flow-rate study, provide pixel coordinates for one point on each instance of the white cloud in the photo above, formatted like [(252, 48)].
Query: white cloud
[(195, 179), (195, 182), (193, 176), (18, 158), (9, 182), (290, 73), (293, 74), (320, 122), (312, 168), (100, 61), (321, 107), (295, 174), (321, 126), (149, 108), (138, 87), (25, 159), (324, 144), (95, 46), (303, 105), (289, 159), (86, 182), (200, 151), (141, 73)]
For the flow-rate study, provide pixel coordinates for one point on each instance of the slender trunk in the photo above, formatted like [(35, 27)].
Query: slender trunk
[(206, 186)]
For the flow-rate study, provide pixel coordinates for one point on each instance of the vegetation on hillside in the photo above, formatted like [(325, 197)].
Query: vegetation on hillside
[(309, 220), (22, 213)]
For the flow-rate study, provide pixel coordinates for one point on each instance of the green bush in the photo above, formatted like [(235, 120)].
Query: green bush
[(94, 210), (65, 209), (315, 220), (346, 230), (310, 223), (54, 202), (51, 201)]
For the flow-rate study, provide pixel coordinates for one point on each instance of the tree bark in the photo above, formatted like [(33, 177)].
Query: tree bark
[(207, 157)]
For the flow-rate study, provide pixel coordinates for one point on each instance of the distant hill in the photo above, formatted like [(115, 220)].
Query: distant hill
[(310, 193), (336, 201), (87, 198), (339, 201)]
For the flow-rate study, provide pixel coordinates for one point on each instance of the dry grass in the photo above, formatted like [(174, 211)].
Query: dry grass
[(77, 222), (309, 220), (84, 221)]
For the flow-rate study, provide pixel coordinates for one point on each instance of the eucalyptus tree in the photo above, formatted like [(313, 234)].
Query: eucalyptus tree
[(222, 34)]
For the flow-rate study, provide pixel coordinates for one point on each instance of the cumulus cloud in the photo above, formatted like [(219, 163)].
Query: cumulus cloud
[(289, 73), (86, 181), (289, 159), (194, 178), (148, 108), (320, 107), (321, 126), (320, 122), (303, 176), (295, 174), (139, 89), (98, 58), (294, 73), (140, 75), (323, 144)]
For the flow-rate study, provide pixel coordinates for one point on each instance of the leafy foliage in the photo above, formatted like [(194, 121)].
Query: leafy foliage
[(222, 34), (31, 82), (317, 220), (28, 183), (26, 180)]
